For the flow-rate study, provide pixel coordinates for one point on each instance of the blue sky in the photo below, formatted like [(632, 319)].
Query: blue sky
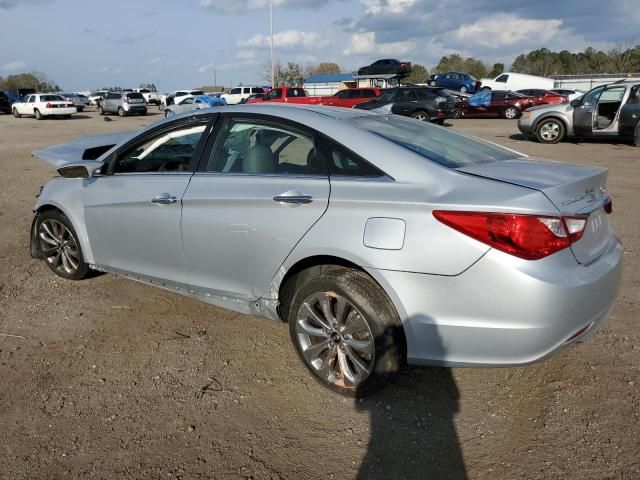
[(83, 44)]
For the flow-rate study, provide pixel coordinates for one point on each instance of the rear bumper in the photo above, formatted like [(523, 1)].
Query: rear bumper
[(503, 311), (135, 108), (59, 111), (443, 114)]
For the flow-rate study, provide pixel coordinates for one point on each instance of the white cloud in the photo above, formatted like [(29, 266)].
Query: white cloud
[(155, 60), (365, 44), (13, 66), (387, 6), (291, 39), (246, 54), (505, 30)]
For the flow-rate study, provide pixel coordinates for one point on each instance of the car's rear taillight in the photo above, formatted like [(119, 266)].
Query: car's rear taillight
[(530, 237), (48, 105)]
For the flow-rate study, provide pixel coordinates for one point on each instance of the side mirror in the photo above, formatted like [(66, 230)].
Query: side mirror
[(80, 170), (575, 102)]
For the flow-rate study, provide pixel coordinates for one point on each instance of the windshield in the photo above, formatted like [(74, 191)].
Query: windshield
[(440, 145)]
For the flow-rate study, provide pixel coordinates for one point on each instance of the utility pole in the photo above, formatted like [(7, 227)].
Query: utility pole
[(215, 77), (273, 67)]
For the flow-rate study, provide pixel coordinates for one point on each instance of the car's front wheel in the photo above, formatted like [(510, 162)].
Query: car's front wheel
[(346, 331), (550, 131), (58, 245), (433, 83), (463, 89)]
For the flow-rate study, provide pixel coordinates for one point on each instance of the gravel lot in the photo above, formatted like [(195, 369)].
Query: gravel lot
[(107, 378)]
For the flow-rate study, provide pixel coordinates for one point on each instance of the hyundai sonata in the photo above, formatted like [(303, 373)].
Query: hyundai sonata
[(379, 239)]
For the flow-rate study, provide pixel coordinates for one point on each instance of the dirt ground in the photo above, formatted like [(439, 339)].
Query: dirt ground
[(107, 378)]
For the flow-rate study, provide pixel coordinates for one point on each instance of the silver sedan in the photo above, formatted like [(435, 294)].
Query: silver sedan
[(379, 239)]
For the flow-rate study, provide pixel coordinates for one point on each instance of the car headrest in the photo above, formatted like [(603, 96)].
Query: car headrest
[(259, 159)]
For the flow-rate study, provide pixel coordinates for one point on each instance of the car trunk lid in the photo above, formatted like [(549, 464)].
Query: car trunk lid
[(575, 190)]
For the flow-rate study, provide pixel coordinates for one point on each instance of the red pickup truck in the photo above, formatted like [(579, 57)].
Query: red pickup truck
[(351, 97), (344, 98), (287, 95)]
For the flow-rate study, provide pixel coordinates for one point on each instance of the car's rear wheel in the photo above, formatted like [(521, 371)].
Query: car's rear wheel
[(58, 244), (37, 113), (421, 115), (463, 89), (346, 331), (15, 113), (511, 113), (550, 131), (121, 112)]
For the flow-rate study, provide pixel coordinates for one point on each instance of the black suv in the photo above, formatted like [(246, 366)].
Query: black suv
[(422, 103), (5, 104)]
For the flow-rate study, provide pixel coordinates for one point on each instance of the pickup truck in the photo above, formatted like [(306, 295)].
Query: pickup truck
[(150, 96), (350, 97), (288, 95)]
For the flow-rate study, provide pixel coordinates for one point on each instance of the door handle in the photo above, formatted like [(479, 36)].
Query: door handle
[(296, 198), (164, 199)]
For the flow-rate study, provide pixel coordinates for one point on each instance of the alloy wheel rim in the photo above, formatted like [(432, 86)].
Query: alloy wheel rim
[(421, 116), (550, 131), (335, 340), (59, 246), (511, 113)]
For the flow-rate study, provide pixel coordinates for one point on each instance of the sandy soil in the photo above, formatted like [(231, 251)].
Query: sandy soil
[(106, 378)]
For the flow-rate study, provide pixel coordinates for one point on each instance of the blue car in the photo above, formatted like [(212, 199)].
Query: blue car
[(462, 82)]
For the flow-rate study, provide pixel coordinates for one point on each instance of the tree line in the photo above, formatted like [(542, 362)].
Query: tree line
[(36, 80)]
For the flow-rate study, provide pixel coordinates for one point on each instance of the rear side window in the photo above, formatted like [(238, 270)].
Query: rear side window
[(296, 92), (502, 78), (344, 163), (256, 90), (440, 145)]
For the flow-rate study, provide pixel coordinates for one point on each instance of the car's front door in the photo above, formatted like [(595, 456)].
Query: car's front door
[(585, 112), (254, 196), (132, 211)]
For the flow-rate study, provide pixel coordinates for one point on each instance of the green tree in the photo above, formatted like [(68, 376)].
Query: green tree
[(326, 68), (293, 74), (419, 74), (496, 70), (36, 80)]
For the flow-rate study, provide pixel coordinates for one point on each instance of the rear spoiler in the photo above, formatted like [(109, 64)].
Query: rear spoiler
[(84, 148)]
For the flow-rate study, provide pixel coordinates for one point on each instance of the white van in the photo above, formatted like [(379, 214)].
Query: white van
[(516, 81), (240, 94)]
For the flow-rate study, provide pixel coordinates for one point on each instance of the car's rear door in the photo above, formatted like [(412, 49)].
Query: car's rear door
[(259, 188), (132, 211)]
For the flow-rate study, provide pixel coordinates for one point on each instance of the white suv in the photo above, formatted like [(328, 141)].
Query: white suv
[(240, 94)]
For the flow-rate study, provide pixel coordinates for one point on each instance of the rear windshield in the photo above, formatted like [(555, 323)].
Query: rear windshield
[(135, 95), (440, 145), (51, 98), (197, 92)]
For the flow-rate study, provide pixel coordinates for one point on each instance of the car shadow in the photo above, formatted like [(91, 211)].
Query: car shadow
[(578, 140), (412, 432)]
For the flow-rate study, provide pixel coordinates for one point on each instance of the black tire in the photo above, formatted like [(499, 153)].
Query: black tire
[(438, 121), (510, 113), (121, 112), (433, 83), (370, 306), (15, 113), (37, 113), (421, 115), (550, 130), (143, 113), (80, 109), (463, 89), (70, 242)]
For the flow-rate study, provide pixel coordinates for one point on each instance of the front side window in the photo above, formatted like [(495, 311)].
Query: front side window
[(275, 93), (187, 101), (592, 97), (113, 96), (367, 93), (264, 148), (168, 151), (502, 78)]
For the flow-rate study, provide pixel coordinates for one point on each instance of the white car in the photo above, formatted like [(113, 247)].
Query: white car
[(175, 96), (42, 105), (96, 97), (240, 94), (150, 96), (516, 81)]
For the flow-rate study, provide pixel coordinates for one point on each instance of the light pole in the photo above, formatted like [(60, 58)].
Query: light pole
[(273, 72)]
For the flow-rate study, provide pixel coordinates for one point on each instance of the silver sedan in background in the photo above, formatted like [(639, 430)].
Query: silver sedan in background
[(379, 239)]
